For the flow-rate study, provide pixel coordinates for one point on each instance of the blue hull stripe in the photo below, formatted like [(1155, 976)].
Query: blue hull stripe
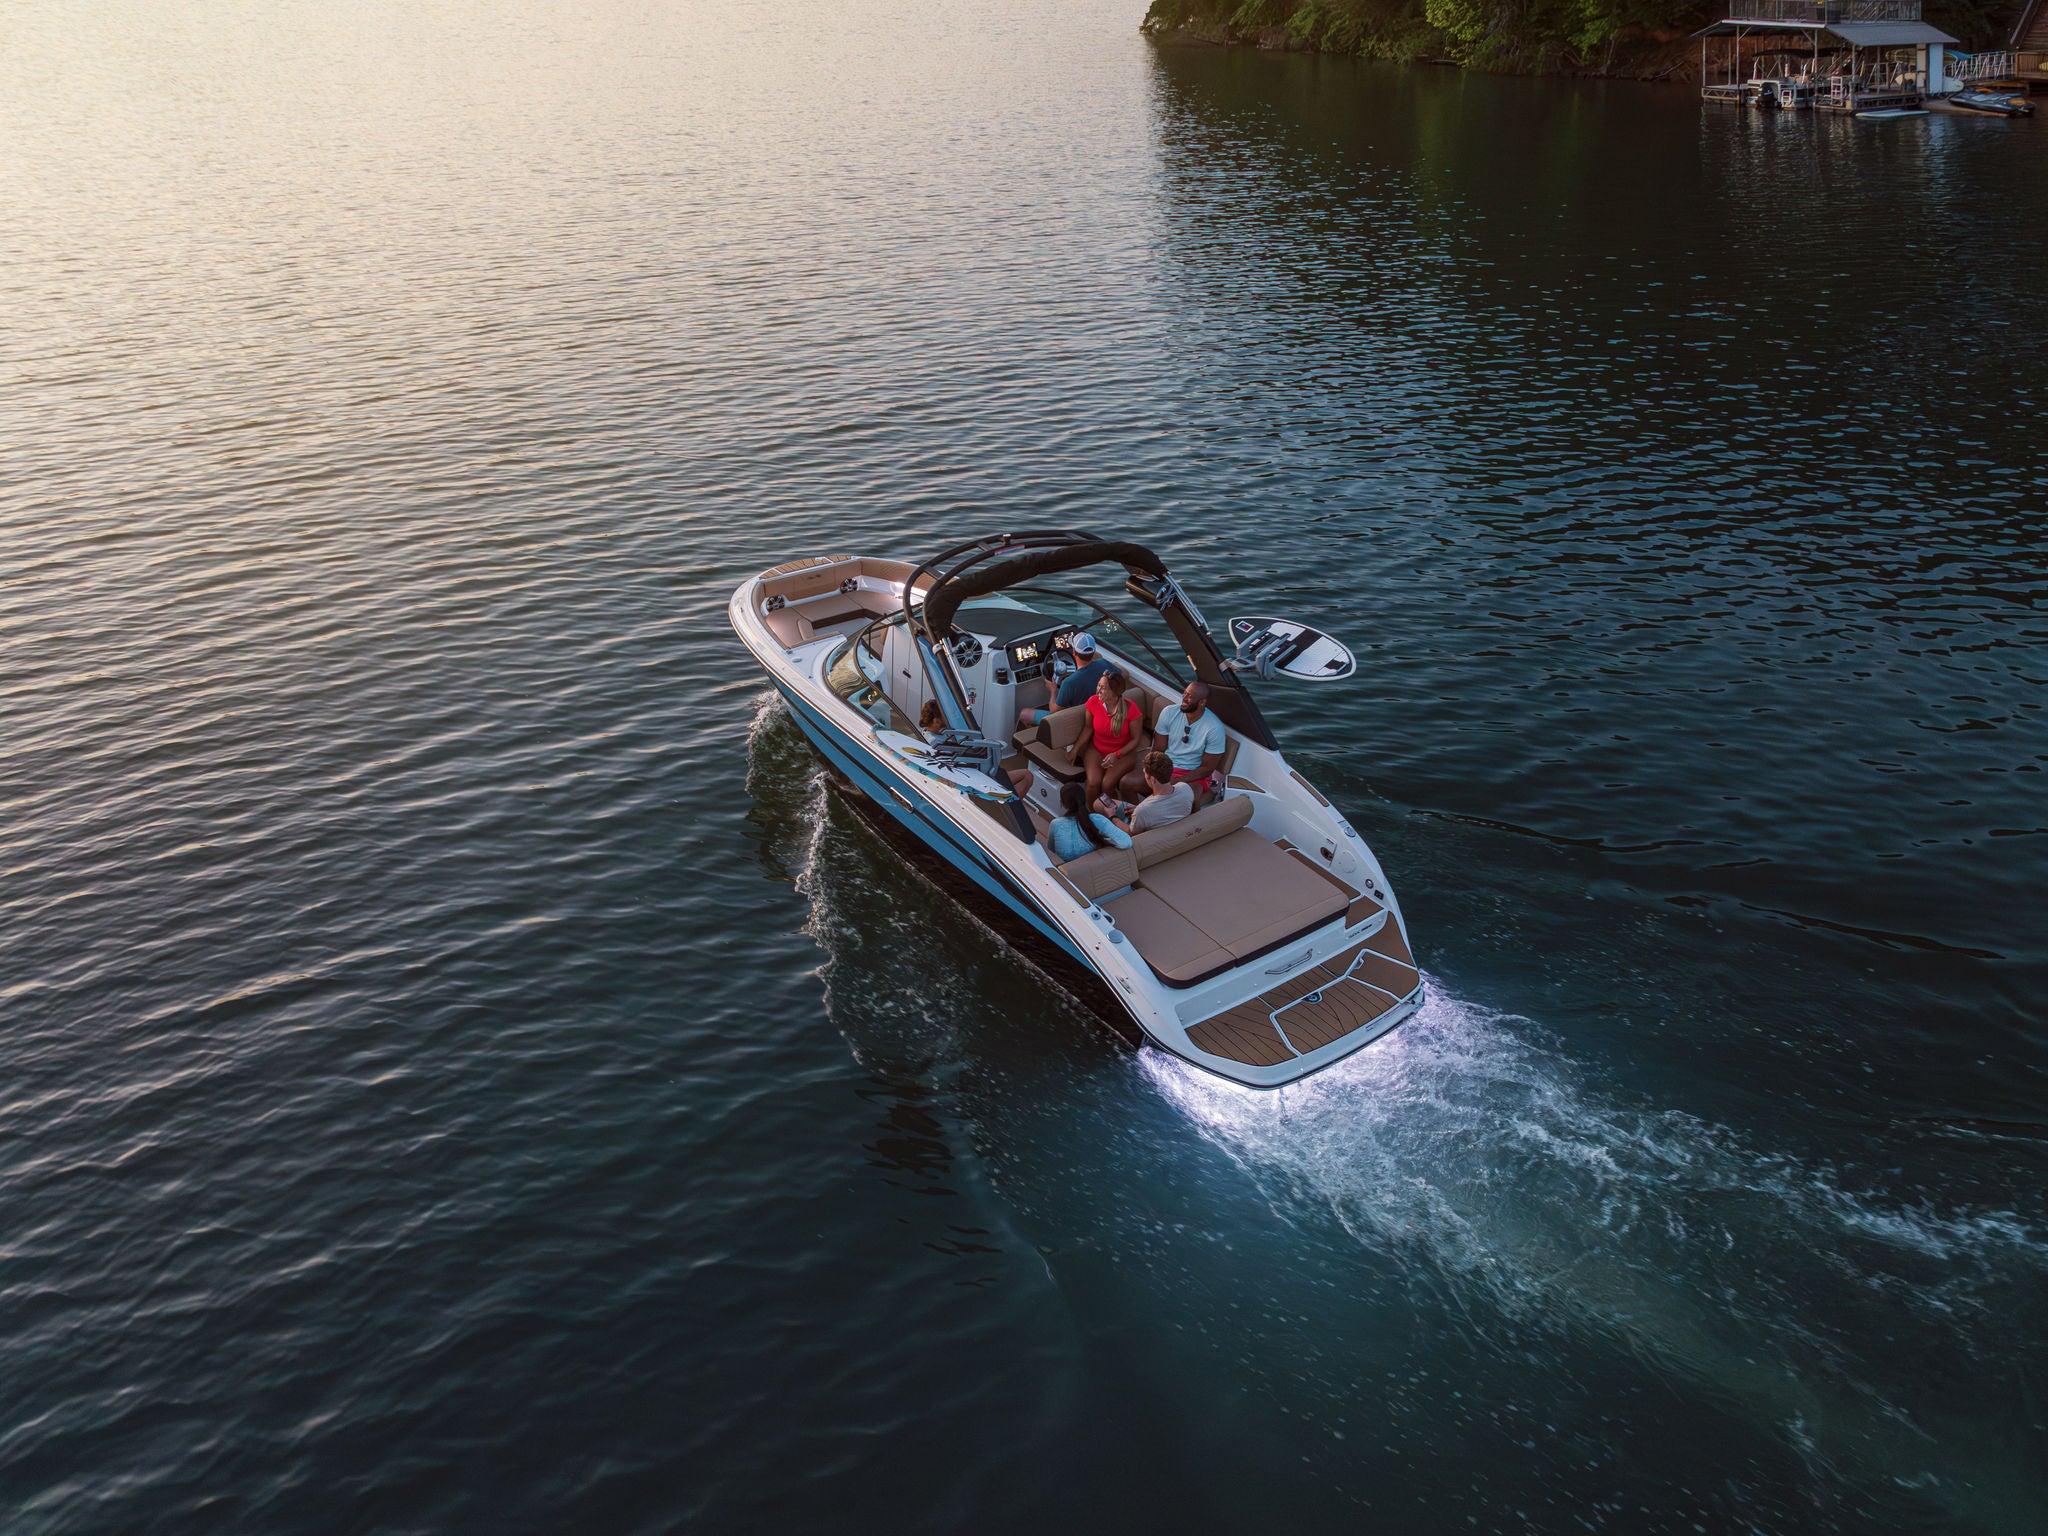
[(935, 832)]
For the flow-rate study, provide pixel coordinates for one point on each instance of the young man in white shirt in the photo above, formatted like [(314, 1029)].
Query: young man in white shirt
[(1171, 799)]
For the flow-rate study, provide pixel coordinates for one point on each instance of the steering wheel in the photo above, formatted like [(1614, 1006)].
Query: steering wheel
[(1061, 660), (966, 650)]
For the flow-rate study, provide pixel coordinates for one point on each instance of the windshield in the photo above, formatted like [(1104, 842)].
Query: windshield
[(848, 675), (1132, 629)]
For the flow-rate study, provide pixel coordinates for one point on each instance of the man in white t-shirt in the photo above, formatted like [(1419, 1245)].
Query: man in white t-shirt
[(1170, 800), (1192, 737)]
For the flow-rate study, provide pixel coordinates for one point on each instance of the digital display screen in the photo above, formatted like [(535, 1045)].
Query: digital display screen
[(1025, 652)]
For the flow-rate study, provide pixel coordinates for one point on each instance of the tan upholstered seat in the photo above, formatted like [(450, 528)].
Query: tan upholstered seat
[(1147, 702), (1046, 742), (786, 627), (802, 580), (1050, 760), (835, 612), (1245, 893)]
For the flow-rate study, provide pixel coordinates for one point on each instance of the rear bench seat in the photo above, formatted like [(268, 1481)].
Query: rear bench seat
[(1207, 892), (1045, 744)]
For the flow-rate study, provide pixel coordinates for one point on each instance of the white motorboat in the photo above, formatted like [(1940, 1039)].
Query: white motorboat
[(1257, 937)]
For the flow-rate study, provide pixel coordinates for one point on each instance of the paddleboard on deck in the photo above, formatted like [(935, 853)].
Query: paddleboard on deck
[(917, 754)]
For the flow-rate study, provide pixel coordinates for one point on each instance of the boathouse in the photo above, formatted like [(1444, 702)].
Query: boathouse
[(2022, 65), (1828, 55)]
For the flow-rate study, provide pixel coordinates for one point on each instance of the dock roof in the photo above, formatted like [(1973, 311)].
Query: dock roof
[(1861, 34), (1888, 34)]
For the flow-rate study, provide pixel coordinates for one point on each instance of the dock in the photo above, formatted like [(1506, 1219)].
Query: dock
[(1825, 56), (2022, 65)]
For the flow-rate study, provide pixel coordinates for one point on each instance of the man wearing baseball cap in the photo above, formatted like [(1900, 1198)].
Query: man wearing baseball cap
[(1079, 684)]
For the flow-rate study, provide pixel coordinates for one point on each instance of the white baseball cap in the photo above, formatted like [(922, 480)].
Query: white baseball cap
[(1083, 643)]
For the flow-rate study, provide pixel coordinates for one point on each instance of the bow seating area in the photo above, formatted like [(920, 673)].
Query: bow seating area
[(1208, 892), (812, 603)]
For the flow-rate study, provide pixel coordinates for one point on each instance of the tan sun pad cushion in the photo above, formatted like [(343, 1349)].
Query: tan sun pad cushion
[(1106, 869), (1212, 821), (1171, 945), (1243, 892)]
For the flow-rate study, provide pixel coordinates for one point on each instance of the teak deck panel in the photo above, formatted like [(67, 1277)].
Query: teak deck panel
[(1255, 1044), (1390, 941), (1390, 976), (1384, 976), (1343, 1007)]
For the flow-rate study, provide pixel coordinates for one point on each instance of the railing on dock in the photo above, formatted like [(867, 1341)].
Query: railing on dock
[(1823, 12), (1982, 66)]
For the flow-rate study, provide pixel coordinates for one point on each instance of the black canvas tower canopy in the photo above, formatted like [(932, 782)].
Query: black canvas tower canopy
[(949, 592)]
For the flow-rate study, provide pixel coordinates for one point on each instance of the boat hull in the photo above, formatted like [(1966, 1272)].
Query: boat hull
[(929, 863), (899, 798), (1257, 1021)]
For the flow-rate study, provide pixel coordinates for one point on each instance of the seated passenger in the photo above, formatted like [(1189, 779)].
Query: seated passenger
[(1171, 799), (1190, 734), (931, 720), (1078, 686), (1110, 746), (1080, 830)]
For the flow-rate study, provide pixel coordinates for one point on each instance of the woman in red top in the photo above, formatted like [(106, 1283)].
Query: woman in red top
[(1115, 733)]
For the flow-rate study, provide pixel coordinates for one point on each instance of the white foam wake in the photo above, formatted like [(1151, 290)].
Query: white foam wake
[(1418, 1138), (1475, 1153)]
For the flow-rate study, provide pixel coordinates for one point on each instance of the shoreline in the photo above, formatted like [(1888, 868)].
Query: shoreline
[(1649, 41), (1654, 59)]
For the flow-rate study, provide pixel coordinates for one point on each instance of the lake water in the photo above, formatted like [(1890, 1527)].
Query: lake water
[(461, 1069)]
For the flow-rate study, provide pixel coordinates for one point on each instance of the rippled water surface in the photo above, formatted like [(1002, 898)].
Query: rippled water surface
[(461, 1069)]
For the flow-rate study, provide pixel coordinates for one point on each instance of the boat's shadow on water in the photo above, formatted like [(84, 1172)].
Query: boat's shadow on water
[(1470, 1155), (915, 983)]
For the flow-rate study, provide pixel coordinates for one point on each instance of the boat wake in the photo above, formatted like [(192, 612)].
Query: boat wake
[(1505, 1186), (1479, 1158)]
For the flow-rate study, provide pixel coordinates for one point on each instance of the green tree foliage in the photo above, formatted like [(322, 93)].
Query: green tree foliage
[(1977, 24), (1508, 34), (1500, 32)]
